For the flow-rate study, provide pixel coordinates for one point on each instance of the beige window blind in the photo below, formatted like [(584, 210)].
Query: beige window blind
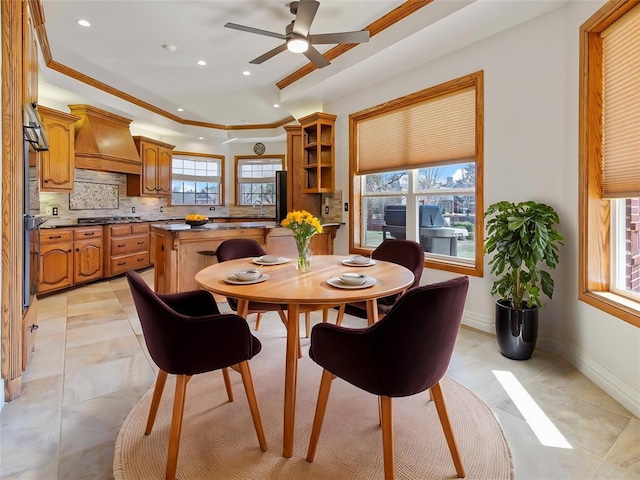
[(621, 107), (436, 130)]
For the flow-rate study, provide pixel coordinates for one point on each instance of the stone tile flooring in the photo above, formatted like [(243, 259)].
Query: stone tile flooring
[(91, 366)]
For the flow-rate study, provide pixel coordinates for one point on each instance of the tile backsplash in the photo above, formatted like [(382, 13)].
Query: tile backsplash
[(95, 196)]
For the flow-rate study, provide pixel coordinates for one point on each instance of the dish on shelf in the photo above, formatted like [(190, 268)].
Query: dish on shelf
[(336, 282), (235, 281), (349, 263), (279, 261)]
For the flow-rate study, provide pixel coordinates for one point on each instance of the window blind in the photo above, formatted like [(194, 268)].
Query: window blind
[(621, 107), (438, 130)]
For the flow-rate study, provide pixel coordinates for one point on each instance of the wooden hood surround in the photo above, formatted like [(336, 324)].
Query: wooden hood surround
[(104, 142)]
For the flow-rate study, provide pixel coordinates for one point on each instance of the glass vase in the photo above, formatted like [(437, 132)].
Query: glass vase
[(304, 256)]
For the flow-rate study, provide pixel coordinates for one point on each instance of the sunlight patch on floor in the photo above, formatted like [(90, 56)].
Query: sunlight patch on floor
[(542, 426)]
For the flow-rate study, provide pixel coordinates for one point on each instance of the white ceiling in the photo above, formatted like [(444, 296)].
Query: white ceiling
[(123, 48)]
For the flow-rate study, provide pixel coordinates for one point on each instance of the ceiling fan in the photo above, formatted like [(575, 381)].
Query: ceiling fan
[(297, 38)]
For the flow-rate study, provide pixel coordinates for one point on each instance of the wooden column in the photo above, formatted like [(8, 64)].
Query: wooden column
[(12, 192), (296, 199)]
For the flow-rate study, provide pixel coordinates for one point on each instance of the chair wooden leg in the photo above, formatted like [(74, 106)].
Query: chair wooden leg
[(258, 318), (341, 314), (307, 324), (155, 401), (253, 403), (227, 383), (387, 437), (283, 317), (321, 406), (176, 425), (438, 398)]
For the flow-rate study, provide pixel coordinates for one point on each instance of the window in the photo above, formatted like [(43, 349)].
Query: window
[(197, 179), (609, 273), (416, 164), (256, 179)]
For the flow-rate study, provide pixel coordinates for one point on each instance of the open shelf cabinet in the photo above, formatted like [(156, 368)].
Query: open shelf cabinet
[(318, 136)]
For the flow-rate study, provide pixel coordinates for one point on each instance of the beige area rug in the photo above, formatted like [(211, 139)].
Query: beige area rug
[(219, 442)]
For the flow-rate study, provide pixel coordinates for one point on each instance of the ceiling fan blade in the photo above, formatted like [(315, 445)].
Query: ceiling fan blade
[(304, 16), (271, 53), (342, 37), (316, 57), (243, 28)]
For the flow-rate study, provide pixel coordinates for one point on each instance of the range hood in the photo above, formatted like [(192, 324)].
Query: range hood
[(103, 141)]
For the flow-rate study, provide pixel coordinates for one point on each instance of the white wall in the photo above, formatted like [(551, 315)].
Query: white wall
[(531, 94)]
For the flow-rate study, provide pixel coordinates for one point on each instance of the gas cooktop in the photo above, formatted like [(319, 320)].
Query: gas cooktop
[(102, 220)]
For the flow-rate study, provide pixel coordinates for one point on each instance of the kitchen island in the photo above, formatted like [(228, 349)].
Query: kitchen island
[(182, 251)]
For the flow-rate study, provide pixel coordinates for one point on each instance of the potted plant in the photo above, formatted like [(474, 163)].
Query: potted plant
[(523, 239)]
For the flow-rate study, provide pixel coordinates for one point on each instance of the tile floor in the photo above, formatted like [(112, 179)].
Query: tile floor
[(90, 367)]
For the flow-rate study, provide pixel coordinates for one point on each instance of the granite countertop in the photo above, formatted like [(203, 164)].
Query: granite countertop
[(172, 227), (53, 222)]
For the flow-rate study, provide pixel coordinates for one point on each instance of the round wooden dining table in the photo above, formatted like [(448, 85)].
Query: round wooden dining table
[(303, 291)]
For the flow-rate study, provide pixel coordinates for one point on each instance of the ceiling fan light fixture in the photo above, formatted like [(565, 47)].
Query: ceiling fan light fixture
[(297, 45)]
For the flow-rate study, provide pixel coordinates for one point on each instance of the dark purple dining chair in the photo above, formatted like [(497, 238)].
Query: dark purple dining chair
[(405, 353), (235, 248), (407, 253), (186, 334)]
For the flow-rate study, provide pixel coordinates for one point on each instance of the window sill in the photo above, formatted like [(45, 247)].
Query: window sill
[(614, 304)]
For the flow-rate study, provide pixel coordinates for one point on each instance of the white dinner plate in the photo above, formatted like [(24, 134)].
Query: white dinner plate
[(234, 280), (349, 263), (280, 261), (336, 282)]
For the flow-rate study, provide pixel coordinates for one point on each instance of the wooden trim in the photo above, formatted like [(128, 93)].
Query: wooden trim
[(593, 212), (384, 22), (249, 157), (355, 238), (222, 174), (13, 23)]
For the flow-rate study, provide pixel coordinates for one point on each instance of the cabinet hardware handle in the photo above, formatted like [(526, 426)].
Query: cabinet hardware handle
[(46, 181), (123, 245), (89, 233), (140, 243), (141, 259), (77, 249), (69, 250), (51, 237), (121, 263), (33, 327)]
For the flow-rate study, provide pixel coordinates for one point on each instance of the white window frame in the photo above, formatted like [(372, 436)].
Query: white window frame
[(198, 158), (268, 196)]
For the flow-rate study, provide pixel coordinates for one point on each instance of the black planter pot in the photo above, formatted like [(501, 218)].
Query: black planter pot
[(516, 330)]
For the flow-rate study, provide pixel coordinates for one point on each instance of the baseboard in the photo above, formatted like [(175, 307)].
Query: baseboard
[(618, 389), (479, 322)]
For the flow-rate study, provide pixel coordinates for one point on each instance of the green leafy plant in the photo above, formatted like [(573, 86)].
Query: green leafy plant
[(523, 239)]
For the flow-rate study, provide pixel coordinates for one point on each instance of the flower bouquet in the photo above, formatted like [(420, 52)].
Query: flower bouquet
[(304, 226)]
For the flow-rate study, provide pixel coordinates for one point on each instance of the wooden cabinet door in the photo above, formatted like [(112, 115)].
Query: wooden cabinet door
[(163, 171), (149, 169), (30, 63), (56, 266), (58, 163), (87, 260)]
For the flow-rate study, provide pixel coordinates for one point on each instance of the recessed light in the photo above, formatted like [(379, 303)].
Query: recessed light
[(275, 105), (200, 138), (169, 47), (181, 109), (201, 62), (246, 73), (84, 23)]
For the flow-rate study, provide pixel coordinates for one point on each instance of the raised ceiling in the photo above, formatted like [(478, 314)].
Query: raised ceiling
[(123, 49)]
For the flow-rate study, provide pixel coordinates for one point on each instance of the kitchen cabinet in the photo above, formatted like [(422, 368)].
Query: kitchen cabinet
[(57, 165), (88, 257), (127, 247), (70, 256), (318, 138), (56, 259), (156, 169), (297, 175)]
